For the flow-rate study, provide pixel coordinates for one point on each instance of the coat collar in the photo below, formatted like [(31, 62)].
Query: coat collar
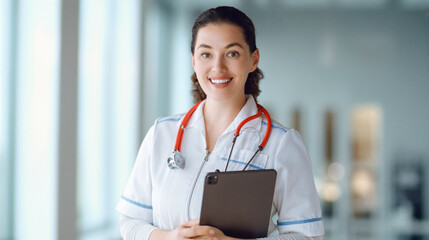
[(249, 109)]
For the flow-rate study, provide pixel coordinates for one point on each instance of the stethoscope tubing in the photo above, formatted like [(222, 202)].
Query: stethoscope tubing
[(174, 163), (178, 143), (264, 141)]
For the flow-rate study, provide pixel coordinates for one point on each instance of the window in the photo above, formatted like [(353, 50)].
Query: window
[(108, 110), (5, 145), (36, 124)]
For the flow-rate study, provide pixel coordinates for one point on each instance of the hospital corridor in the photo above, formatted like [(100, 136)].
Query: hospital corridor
[(82, 82)]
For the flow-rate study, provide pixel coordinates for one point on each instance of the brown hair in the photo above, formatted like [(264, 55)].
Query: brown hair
[(235, 17)]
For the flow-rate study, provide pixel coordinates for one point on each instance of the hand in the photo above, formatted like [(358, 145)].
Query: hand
[(218, 234), (191, 230), (188, 230)]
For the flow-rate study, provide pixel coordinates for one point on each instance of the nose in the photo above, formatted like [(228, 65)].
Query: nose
[(219, 64)]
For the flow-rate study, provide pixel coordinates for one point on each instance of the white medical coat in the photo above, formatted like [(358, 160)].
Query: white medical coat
[(166, 198)]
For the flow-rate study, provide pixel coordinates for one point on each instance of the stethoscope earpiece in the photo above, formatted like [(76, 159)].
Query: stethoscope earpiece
[(176, 160)]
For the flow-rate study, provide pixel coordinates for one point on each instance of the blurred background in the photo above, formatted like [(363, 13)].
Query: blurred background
[(82, 81)]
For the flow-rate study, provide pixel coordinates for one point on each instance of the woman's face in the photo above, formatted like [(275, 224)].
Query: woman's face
[(222, 61)]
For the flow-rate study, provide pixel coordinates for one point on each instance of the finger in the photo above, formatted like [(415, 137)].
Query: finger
[(205, 238), (198, 231), (191, 223)]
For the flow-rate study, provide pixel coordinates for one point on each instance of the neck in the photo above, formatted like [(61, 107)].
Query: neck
[(218, 115), (222, 111)]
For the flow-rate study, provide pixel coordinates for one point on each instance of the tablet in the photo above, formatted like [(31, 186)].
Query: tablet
[(239, 202)]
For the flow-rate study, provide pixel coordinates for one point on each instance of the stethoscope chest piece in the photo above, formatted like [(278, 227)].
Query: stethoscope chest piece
[(176, 160)]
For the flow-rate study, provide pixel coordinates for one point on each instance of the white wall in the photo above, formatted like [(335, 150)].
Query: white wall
[(318, 59)]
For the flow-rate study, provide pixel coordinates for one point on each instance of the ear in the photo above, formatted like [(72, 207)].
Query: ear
[(255, 60), (193, 61)]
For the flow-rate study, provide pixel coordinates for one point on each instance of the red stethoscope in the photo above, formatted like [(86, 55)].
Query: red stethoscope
[(177, 160)]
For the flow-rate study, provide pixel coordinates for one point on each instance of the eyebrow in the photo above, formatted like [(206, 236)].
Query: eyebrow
[(227, 46), (204, 46), (234, 44)]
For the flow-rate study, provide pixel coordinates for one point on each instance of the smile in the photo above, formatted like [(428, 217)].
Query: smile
[(220, 81)]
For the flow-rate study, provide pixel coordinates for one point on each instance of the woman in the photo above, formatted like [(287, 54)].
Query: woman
[(164, 203)]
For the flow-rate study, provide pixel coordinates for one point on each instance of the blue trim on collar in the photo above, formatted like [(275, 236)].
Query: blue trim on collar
[(299, 221), (274, 126), (169, 120), (136, 203)]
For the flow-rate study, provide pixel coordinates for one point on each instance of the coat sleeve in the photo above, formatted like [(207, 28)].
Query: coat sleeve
[(295, 197), (136, 200), (132, 228)]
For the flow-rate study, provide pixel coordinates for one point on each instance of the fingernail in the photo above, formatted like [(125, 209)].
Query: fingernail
[(212, 232)]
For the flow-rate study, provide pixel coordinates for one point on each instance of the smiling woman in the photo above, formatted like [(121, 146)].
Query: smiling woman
[(161, 202)]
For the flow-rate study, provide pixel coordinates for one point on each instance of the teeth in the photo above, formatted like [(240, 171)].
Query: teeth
[(220, 81)]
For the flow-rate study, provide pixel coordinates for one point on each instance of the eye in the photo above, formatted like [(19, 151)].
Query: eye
[(233, 54), (205, 55)]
